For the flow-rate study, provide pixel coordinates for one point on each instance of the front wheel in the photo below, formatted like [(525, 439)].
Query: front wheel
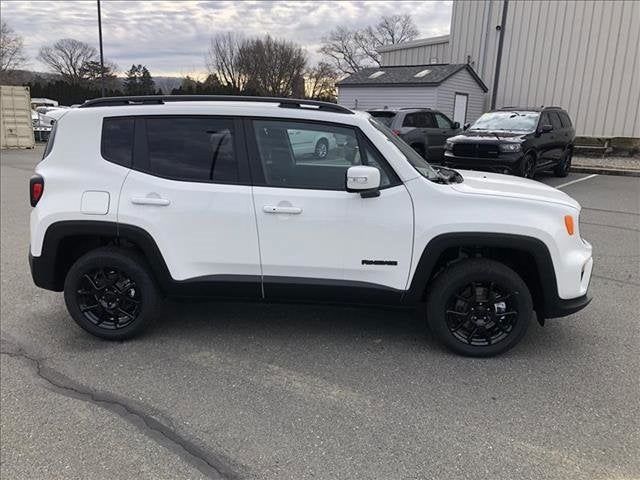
[(110, 293), (527, 166), (479, 308)]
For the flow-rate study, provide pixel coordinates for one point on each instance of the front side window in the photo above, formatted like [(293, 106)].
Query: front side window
[(416, 161), (507, 122), (117, 140), (305, 155), (443, 122), (192, 148)]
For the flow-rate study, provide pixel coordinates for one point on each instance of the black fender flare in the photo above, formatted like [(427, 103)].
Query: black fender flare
[(530, 245)]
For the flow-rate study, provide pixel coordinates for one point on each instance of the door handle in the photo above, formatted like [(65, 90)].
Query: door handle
[(160, 202), (274, 209)]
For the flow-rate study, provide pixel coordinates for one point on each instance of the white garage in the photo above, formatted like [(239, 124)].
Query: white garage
[(454, 89)]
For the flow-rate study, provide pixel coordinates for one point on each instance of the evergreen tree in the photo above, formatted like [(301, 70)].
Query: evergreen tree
[(139, 81)]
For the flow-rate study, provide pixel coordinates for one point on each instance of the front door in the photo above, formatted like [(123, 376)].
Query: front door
[(189, 190), (316, 239), (460, 108), (443, 131)]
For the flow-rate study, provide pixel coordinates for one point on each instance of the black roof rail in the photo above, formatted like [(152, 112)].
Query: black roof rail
[(162, 99), (416, 108)]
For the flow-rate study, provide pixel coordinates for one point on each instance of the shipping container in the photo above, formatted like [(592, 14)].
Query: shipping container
[(16, 128)]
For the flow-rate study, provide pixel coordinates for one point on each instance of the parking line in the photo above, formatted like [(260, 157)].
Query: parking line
[(578, 180)]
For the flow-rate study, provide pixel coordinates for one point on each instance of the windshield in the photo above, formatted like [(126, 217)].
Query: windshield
[(416, 161), (507, 122), (386, 118)]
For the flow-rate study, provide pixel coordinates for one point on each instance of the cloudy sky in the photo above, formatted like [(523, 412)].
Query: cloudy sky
[(171, 37)]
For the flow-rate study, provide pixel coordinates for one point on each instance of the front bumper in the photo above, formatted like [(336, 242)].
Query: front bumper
[(561, 308), (504, 163)]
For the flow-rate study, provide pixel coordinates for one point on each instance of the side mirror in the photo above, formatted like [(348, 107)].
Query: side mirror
[(456, 125), (364, 180), (466, 126), (545, 128)]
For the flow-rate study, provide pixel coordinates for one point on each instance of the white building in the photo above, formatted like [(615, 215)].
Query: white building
[(582, 55), (454, 89)]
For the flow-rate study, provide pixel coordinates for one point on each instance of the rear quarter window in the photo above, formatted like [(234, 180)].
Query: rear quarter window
[(116, 144)]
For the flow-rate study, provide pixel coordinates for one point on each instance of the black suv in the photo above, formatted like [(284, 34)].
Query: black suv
[(426, 130), (515, 140)]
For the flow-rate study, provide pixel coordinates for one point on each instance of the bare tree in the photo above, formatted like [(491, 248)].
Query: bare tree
[(321, 82), (223, 60), (352, 50), (341, 47), (69, 58), (11, 49), (272, 67)]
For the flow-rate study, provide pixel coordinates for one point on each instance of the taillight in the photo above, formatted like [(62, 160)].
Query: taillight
[(396, 132), (36, 188)]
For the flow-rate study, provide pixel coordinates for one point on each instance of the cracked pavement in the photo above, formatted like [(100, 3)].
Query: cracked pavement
[(228, 390)]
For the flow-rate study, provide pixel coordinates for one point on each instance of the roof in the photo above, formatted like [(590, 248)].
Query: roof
[(415, 43), (527, 109), (406, 75)]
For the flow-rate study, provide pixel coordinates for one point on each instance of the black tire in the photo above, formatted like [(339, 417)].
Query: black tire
[(479, 329), (322, 148), (111, 294), (562, 169), (420, 150), (527, 168)]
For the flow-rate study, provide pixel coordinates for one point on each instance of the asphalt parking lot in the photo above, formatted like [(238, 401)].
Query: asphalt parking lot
[(228, 390)]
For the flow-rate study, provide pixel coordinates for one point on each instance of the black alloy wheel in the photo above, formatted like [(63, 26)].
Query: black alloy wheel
[(562, 169), (108, 298), (482, 313), (479, 307), (111, 293), (528, 166)]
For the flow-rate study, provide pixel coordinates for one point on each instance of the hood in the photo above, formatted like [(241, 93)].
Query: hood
[(469, 136), (495, 184)]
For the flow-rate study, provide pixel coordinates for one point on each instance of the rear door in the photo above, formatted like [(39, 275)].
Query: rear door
[(189, 190), (317, 239)]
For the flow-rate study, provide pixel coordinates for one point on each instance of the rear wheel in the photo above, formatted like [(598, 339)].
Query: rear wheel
[(110, 293), (527, 166), (322, 148), (562, 169), (479, 308)]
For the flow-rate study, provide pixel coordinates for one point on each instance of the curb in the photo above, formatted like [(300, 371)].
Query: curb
[(605, 171)]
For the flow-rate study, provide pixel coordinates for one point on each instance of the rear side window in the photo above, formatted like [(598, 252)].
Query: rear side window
[(50, 140), (192, 148), (566, 121), (117, 140), (384, 117), (555, 120), (419, 120)]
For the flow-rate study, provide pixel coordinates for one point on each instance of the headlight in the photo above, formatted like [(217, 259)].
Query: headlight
[(448, 146), (510, 147)]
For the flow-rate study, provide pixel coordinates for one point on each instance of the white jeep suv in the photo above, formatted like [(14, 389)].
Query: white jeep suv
[(138, 198)]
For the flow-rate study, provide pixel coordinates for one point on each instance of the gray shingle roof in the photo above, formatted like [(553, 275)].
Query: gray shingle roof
[(406, 75)]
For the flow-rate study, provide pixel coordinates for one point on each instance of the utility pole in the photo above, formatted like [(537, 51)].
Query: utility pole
[(496, 75), (101, 52)]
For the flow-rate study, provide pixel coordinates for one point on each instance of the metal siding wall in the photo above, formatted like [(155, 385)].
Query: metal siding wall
[(461, 82), (416, 55), (379, 96), (582, 55)]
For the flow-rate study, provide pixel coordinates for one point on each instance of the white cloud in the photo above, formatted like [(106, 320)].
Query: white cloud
[(172, 37)]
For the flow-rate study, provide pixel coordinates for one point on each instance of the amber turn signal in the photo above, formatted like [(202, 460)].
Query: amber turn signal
[(568, 222)]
